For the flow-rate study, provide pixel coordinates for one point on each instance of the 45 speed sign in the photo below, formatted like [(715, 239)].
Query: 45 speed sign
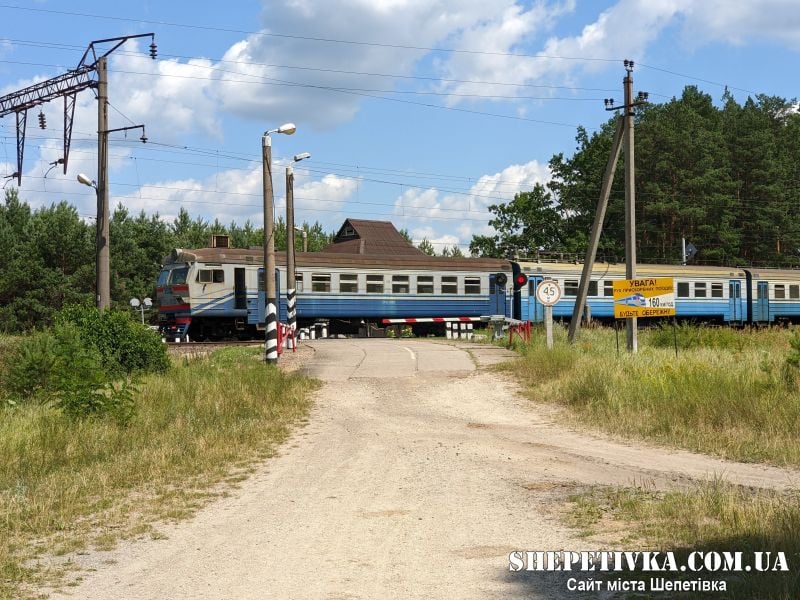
[(548, 292)]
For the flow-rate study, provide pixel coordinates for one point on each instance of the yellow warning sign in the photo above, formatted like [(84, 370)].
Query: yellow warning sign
[(644, 297)]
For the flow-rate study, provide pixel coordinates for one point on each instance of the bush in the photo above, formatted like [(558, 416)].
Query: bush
[(59, 368), (125, 345)]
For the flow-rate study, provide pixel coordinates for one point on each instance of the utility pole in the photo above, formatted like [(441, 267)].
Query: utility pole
[(597, 229), (271, 316), (291, 287), (67, 86), (291, 291), (103, 249), (631, 326)]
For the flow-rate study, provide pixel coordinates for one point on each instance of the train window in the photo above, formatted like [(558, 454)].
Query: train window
[(780, 291), (716, 290), (162, 277), (593, 287), (320, 282), (571, 287), (348, 283), (472, 285), (179, 275), (608, 287), (424, 284), (700, 289), (449, 284), (211, 276), (794, 291), (374, 284), (298, 282), (683, 289), (400, 284)]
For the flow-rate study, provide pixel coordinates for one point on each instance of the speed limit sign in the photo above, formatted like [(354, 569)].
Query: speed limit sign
[(548, 292)]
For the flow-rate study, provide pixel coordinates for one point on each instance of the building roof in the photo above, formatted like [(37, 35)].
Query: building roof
[(359, 236)]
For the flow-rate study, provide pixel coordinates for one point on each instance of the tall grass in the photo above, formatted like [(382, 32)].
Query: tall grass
[(727, 394), (66, 484)]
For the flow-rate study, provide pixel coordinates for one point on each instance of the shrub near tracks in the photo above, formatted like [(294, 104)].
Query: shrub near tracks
[(67, 485)]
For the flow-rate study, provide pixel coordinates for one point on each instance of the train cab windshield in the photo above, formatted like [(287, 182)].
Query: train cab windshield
[(179, 276)]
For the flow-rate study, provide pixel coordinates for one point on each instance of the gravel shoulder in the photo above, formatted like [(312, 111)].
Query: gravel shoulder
[(419, 471)]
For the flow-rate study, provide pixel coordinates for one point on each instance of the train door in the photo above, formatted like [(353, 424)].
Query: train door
[(761, 305), (735, 300), (239, 289), (497, 296), (535, 308)]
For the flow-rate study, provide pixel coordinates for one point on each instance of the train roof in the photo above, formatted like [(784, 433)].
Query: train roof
[(618, 270), (336, 259)]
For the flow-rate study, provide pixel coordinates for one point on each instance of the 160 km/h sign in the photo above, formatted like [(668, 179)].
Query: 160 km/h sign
[(645, 297)]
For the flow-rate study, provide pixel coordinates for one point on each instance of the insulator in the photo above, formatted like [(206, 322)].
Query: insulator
[(153, 50), (42, 120)]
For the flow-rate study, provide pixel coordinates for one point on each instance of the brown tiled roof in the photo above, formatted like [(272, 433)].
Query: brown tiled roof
[(358, 236)]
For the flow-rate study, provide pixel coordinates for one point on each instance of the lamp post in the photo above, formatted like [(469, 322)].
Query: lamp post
[(291, 291), (145, 303), (271, 316)]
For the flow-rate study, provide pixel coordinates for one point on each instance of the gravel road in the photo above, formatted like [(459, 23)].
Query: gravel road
[(420, 470)]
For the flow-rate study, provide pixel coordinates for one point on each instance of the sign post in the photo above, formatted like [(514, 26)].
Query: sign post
[(548, 293), (644, 297)]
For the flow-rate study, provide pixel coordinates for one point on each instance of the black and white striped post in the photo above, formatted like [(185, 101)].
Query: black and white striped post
[(291, 286), (271, 316)]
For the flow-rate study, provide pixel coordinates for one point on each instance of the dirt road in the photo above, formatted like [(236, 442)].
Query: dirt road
[(419, 472)]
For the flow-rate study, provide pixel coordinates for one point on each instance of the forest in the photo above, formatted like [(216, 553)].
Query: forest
[(726, 178)]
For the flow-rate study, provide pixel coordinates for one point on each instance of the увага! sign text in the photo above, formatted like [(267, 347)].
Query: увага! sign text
[(645, 297)]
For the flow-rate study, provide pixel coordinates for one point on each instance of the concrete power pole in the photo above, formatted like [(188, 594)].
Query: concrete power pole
[(271, 304), (291, 291), (630, 200), (103, 249)]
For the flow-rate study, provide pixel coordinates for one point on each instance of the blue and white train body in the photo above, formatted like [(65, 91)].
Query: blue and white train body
[(720, 294), (215, 293)]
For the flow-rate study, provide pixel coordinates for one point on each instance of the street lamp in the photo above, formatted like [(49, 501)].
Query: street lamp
[(103, 269), (144, 304), (291, 292), (271, 316)]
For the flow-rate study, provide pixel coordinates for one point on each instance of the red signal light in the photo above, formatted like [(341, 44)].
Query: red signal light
[(520, 279)]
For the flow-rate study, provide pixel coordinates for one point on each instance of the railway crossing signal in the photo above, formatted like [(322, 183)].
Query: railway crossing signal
[(520, 279), (501, 279)]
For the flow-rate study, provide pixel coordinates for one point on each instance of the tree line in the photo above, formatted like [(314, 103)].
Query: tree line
[(726, 178)]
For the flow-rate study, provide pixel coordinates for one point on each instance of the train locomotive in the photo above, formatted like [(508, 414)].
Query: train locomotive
[(214, 293)]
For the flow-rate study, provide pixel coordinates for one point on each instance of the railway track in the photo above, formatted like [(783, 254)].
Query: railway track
[(207, 347)]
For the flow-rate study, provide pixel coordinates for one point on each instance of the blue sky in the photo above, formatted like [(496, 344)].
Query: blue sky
[(420, 112)]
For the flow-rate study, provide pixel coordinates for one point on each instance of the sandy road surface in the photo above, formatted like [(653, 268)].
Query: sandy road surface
[(415, 478)]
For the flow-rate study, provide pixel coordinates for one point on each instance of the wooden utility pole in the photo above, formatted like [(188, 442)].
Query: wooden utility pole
[(103, 249), (630, 200), (597, 228)]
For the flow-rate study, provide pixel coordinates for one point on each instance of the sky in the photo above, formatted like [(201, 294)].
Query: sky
[(419, 112)]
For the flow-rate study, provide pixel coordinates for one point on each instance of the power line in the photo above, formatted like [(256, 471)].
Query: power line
[(306, 38)]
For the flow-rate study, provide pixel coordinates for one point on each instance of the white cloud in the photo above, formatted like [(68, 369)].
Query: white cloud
[(429, 213)]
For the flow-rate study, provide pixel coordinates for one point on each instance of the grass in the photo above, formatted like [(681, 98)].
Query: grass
[(727, 393), (66, 485), (715, 517)]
